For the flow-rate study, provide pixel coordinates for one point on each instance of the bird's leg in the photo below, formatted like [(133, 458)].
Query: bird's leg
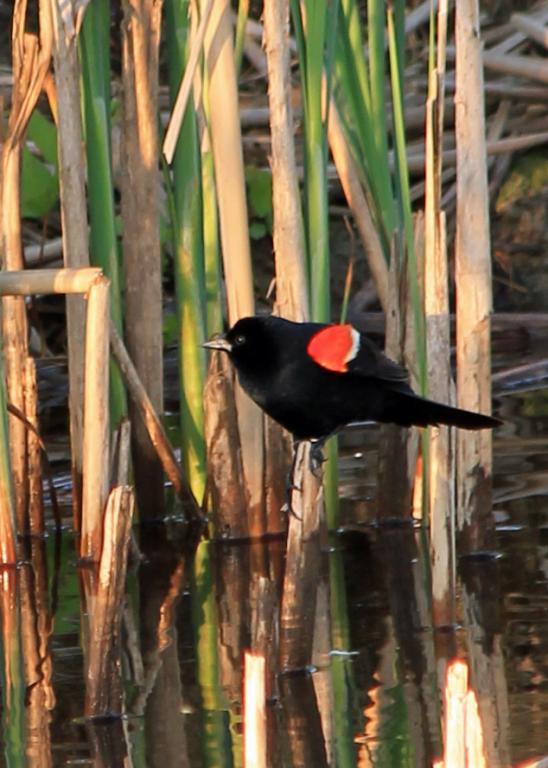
[(317, 457), (291, 485)]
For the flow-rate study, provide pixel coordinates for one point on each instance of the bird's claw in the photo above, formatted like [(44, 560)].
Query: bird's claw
[(291, 512)]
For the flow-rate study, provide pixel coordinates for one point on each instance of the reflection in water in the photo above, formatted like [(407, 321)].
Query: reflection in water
[(480, 598), (380, 682), (301, 721), (374, 696)]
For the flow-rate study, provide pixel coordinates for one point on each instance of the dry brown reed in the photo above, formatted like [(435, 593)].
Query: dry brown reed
[(140, 185)]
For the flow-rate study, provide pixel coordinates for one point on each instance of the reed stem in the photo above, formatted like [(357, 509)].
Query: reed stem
[(96, 421)]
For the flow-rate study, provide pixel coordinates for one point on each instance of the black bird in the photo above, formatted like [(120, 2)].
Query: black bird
[(314, 379)]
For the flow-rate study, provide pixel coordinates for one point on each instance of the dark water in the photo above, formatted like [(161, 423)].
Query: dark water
[(373, 699)]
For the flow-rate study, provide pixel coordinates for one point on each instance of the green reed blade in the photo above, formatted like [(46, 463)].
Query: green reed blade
[(95, 62), (186, 210)]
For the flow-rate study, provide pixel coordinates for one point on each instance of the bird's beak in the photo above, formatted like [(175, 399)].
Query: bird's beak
[(219, 343)]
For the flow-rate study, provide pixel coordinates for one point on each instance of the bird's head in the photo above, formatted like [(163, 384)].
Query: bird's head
[(246, 340)]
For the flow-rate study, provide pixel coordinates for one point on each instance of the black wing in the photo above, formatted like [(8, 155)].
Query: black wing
[(370, 361)]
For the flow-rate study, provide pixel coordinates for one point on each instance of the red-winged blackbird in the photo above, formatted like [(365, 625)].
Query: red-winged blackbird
[(314, 379)]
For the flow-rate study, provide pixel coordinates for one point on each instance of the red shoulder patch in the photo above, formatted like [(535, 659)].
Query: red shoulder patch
[(333, 347)]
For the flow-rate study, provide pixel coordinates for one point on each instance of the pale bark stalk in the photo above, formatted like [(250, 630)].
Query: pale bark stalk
[(473, 281), (96, 420)]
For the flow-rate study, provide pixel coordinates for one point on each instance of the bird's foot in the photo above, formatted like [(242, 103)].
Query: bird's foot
[(291, 488)]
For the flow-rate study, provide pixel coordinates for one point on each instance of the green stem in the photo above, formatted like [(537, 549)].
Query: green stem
[(95, 61), (186, 212)]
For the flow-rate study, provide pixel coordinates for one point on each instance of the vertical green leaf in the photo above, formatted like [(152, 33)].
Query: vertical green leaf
[(95, 62), (188, 256)]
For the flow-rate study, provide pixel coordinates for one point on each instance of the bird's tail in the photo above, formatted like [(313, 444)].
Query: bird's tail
[(418, 411)]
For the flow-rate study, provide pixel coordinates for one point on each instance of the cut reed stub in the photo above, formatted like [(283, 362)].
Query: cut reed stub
[(103, 680)]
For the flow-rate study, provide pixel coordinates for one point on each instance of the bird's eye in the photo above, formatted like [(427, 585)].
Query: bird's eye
[(239, 340)]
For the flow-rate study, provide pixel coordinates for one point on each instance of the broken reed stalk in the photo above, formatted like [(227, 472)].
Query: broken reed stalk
[(96, 419), (231, 196), (254, 711), (28, 282), (74, 222), (300, 585), (473, 281), (23, 283), (151, 420), (104, 691), (34, 454), (141, 232)]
